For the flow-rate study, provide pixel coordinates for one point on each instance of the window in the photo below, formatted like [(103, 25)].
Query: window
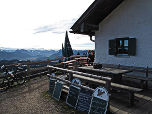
[(122, 46)]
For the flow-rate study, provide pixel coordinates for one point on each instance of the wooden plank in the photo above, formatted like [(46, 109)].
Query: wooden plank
[(41, 68), (105, 70), (32, 62), (109, 65), (113, 85), (39, 73), (134, 68), (81, 58), (78, 56), (81, 73), (137, 77), (69, 61)]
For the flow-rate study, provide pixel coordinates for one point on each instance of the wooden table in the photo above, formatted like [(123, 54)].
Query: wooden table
[(114, 72), (68, 62), (83, 61)]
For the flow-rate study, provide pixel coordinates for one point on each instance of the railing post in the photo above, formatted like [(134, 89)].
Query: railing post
[(108, 86), (40, 74), (147, 76), (28, 69), (62, 58), (119, 66), (49, 70)]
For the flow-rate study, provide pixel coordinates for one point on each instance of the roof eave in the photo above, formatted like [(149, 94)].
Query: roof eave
[(86, 14), (89, 21)]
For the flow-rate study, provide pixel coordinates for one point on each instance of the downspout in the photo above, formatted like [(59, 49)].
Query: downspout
[(91, 38)]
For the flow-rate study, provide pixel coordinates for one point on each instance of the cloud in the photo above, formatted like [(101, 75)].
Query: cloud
[(90, 46), (81, 46), (58, 27), (44, 29), (85, 44)]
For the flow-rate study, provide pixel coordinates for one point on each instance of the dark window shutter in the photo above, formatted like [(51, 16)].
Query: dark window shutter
[(112, 47), (132, 46)]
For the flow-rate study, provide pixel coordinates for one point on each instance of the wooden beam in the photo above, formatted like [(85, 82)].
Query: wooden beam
[(81, 73), (83, 33)]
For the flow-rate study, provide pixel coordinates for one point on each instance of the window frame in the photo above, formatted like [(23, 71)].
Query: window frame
[(120, 49), (113, 48)]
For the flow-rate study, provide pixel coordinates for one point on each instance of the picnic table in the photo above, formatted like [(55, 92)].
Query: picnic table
[(83, 60), (114, 72), (66, 63)]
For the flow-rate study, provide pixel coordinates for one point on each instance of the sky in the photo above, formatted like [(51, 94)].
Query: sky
[(38, 24)]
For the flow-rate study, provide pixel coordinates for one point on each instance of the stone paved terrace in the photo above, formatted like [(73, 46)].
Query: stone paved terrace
[(143, 107)]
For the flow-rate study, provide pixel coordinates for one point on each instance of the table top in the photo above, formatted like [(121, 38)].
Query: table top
[(81, 58), (106, 70), (69, 61)]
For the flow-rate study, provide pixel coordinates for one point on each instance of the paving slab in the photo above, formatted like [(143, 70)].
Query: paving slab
[(143, 107)]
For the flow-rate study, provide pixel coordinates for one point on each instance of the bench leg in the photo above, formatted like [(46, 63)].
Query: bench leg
[(142, 84), (70, 76), (131, 99), (117, 78), (146, 84)]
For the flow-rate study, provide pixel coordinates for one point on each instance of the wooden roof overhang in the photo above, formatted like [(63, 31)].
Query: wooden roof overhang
[(89, 21)]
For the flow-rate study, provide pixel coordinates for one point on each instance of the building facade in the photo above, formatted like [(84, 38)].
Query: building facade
[(132, 19), (124, 35)]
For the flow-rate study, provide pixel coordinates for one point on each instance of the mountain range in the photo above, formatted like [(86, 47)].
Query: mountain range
[(33, 55)]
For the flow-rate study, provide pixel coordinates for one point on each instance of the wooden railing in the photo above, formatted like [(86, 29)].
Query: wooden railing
[(71, 72), (40, 70)]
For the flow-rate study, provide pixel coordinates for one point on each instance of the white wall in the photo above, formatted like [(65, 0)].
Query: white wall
[(133, 18)]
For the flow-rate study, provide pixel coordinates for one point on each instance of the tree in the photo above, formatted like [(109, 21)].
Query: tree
[(67, 49), (78, 53)]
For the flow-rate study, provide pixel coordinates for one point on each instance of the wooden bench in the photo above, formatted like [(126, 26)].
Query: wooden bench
[(145, 71), (114, 86), (142, 79), (140, 70)]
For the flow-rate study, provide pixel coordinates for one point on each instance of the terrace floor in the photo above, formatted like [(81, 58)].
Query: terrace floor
[(143, 107), (27, 99)]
